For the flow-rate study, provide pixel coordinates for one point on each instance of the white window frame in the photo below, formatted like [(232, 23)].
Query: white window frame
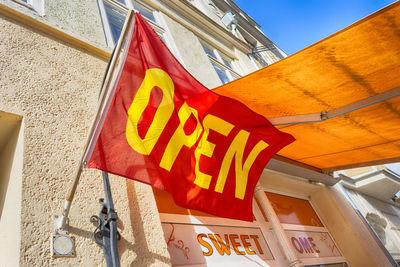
[(35, 5), (124, 9), (308, 228), (221, 60), (255, 63)]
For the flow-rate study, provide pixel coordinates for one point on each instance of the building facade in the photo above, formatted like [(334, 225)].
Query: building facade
[(372, 191), (53, 58)]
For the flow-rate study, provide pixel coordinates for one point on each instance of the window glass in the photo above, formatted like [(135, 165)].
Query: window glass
[(36, 5), (222, 63), (221, 74), (162, 37), (226, 63), (256, 63), (291, 210), (144, 12), (115, 12), (209, 52), (233, 75), (116, 19)]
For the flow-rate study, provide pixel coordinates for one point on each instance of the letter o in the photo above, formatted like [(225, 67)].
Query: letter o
[(153, 77), (297, 245)]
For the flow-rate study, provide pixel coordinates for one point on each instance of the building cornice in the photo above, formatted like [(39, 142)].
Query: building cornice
[(370, 175), (378, 184), (233, 5), (249, 26), (187, 15)]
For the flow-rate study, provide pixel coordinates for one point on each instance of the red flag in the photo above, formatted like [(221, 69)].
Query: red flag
[(166, 129)]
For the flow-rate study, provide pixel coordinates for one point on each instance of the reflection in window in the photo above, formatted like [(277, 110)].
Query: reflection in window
[(209, 52), (221, 74), (116, 19), (222, 63), (226, 63), (292, 210), (36, 5), (144, 12)]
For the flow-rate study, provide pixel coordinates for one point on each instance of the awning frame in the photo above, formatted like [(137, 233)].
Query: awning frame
[(302, 172), (326, 115)]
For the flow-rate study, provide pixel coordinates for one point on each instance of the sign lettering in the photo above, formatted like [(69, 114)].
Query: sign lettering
[(201, 244), (313, 244), (157, 78)]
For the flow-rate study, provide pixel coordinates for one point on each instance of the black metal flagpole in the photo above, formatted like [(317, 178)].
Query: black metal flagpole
[(112, 219), (106, 233)]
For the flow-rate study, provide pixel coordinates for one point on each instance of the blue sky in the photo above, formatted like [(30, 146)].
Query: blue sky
[(296, 24)]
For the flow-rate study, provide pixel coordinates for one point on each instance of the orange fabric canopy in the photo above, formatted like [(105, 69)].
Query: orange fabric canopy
[(358, 62)]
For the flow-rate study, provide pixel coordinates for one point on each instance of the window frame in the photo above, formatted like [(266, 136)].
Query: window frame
[(221, 61), (35, 5), (307, 228), (129, 4), (255, 62)]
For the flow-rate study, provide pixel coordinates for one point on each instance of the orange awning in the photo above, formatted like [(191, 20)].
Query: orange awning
[(338, 73)]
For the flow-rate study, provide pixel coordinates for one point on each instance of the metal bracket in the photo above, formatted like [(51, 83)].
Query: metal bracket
[(102, 223), (61, 225), (106, 234)]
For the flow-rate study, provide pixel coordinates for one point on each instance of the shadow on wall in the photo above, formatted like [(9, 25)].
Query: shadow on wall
[(10, 125), (144, 257)]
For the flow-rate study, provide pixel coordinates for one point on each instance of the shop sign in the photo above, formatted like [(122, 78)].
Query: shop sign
[(312, 244), (190, 244)]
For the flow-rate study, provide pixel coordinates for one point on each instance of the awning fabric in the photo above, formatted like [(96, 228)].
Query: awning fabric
[(358, 62)]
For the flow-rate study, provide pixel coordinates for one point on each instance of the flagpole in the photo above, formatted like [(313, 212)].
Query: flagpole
[(61, 221)]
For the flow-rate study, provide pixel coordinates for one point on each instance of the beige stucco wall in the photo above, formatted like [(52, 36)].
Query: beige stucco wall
[(191, 53), (78, 18), (55, 88)]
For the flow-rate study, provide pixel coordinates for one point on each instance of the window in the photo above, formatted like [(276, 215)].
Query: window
[(197, 238), (307, 234), (223, 64), (255, 62), (113, 13), (35, 5), (116, 19)]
